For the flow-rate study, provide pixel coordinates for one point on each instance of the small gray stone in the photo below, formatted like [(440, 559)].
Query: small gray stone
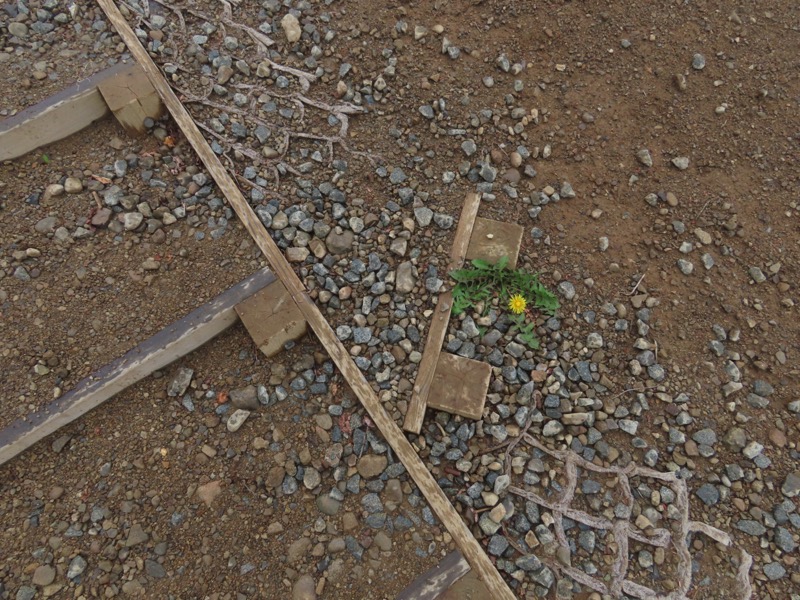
[(774, 570), (76, 567), (154, 569), (791, 485), (643, 156), (327, 505), (709, 494), (497, 545), (567, 290), (180, 382), (245, 398), (237, 419), (681, 163), (705, 436), (783, 540), (751, 527), (698, 62), (423, 215)]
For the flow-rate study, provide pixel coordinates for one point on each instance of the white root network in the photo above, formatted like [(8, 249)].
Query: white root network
[(624, 530)]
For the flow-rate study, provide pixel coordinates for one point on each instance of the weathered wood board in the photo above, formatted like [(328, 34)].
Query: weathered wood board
[(460, 385), (132, 98), (168, 345), (272, 318), (436, 581), (440, 320), (53, 119), (122, 89), (405, 452), (491, 240)]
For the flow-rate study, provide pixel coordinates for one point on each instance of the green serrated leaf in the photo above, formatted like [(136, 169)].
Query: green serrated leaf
[(479, 263)]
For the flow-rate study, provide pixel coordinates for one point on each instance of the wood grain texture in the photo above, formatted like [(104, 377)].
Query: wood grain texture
[(434, 582), (440, 320), (491, 240), (460, 385), (168, 345), (272, 318), (56, 117), (352, 374), (132, 98)]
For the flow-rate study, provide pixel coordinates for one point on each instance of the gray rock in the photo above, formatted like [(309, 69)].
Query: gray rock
[(497, 545), (705, 436), (362, 335), (751, 527), (245, 398), (791, 485), (327, 505), (25, 593), (180, 382), (237, 419), (423, 215), (735, 439), (708, 493), (698, 62), (762, 388), (681, 163), (545, 577), (643, 156), (398, 176), (46, 225), (774, 570), (154, 569), (783, 540), (136, 536), (685, 266), (567, 290), (18, 30), (442, 220), (339, 243)]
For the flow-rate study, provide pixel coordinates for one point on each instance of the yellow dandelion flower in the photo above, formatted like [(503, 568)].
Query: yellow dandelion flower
[(517, 304)]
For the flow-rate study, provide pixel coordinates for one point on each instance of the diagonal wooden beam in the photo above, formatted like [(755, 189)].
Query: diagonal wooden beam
[(439, 503), (440, 320), (168, 345)]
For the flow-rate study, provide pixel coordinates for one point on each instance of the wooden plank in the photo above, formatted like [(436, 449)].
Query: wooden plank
[(272, 318), (434, 582), (460, 386), (132, 98), (469, 587), (391, 432), (57, 117), (168, 345), (491, 240), (440, 320)]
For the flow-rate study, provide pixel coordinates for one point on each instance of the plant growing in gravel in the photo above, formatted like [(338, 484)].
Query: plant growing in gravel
[(516, 289)]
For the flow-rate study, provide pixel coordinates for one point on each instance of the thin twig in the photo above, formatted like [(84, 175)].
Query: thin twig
[(636, 287)]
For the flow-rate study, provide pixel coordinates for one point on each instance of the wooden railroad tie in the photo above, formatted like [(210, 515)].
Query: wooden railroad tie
[(259, 294), (123, 90), (436, 498), (166, 346)]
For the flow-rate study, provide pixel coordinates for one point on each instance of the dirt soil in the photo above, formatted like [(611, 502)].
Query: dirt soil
[(55, 46), (710, 241)]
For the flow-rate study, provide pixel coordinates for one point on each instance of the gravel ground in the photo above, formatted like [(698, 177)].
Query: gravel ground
[(654, 169), (47, 46)]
